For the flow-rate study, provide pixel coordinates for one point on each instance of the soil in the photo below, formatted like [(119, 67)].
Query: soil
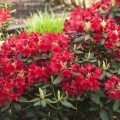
[(25, 7)]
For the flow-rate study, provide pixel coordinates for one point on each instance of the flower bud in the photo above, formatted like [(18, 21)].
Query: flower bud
[(113, 2), (103, 24), (117, 44), (41, 93), (58, 95), (74, 48), (105, 66), (66, 94), (52, 79), (98, 63), (22, 73), (88, 57), (116, 32), (118, 86), (48, 114), (87, 27)]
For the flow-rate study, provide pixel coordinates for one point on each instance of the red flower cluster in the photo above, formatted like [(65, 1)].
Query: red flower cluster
[(88, 21), (81, 78), (112, 86), (27, 58), (105, 7), (78, 17), (4, 15)]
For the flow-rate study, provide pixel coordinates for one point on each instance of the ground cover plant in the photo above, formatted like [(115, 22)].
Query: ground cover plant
[(73, 75), (45, 22)]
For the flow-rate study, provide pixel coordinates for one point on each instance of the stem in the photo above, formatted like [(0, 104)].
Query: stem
[(51, 105), (84, 5), (76, 112)]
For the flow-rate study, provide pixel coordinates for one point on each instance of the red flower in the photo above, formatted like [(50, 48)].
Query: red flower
[(4, 15), (112, 86)]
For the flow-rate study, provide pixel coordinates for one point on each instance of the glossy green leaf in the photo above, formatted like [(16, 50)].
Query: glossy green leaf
[(95, 98), (43, 103), (34, 100), (104, 115), (58, 80), (116, 105), (78, 52), (17, 107), (67, 104), (94, 108), (50, 101), (3, 108), (23, 99), (77, 40), (37, 103), (119, 71), (87, 36)]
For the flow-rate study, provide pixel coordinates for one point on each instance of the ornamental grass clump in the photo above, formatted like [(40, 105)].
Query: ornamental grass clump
[(72, 75), (45, 23)]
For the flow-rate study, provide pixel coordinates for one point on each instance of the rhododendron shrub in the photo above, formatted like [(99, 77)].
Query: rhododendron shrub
[(95, 40), (73, 75), (108, 8)]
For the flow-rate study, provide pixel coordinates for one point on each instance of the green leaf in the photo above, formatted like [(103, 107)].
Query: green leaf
[(37, 103), (67, 104), (55, 118), (107, 74), (34, 100), (100, 92), (63, 116), (50, 101), (87, 36), (58, 80), (119, 71), (30, 114), (118, 110), (102, 41), (77, 40), (45, 86), (92, 61), (12, 11), (116, 105), (17, 107), (95, 98), (7, 118), (104, 115), (104, 35), (23, 99), (102, 76), (112, 14), (94, 108), (43, 103), (117, 14), (3, 108), (78, 52)]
